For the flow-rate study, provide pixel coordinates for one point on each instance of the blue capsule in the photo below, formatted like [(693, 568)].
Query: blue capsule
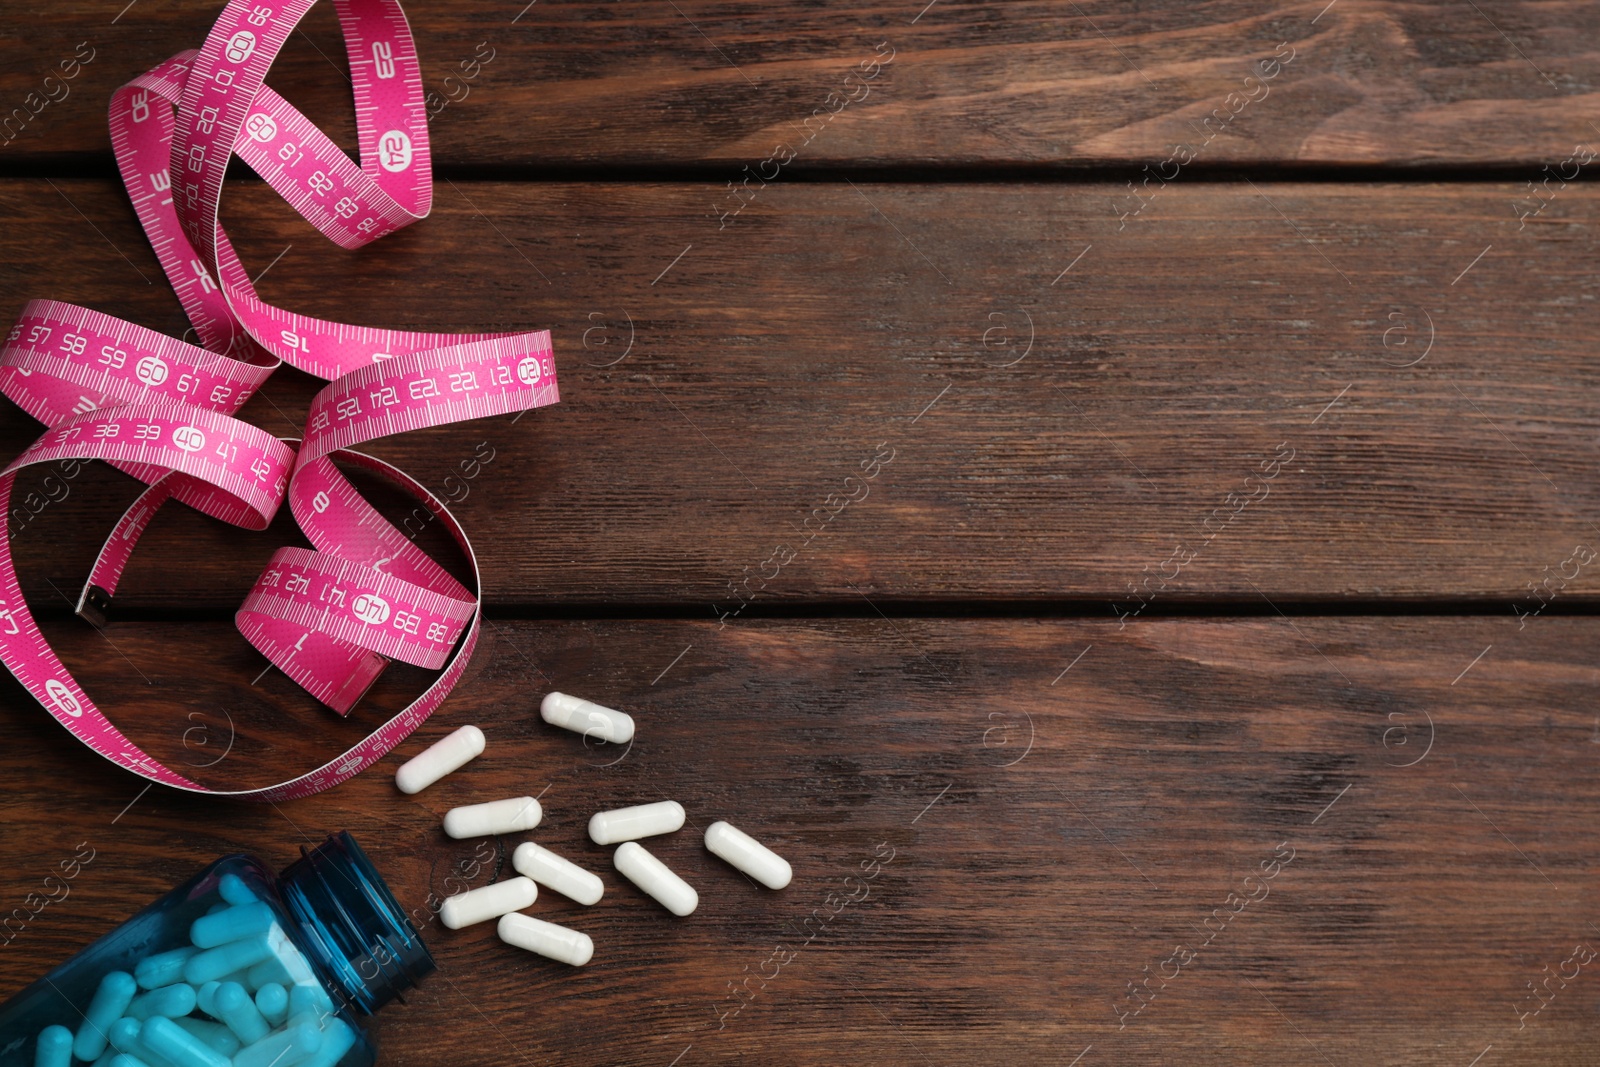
[(124, 1035), (272, 1001), (232, 889), (170, 1000), (337, 1038), (295, 1042), (53, 1048), (232, 924), (216, 1035), (166, 1038), (123, 1059), (270, 969), (164, 968), (238, 977), (235, 1008), (286, 965), (309, 997), (125, 1039), (225, 959), (110, 1002), (242, 976)]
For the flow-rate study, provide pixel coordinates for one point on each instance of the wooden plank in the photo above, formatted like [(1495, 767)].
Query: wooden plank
[(1136, 453), (558, 84), (1055, 833)]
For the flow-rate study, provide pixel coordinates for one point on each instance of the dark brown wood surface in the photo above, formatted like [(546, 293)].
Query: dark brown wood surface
[(1046, 436), (1177, 598), (1052, 835), (644, 83)]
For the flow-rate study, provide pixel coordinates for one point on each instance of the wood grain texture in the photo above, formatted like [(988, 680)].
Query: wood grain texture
[(1053, 833), (1072, 832), (648, 82), (1058, 404)]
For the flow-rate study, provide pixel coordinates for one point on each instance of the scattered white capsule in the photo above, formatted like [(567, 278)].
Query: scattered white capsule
[(629, 824), (557, 874), (495, 817), (655, 878), (547, 939), (749, 855), (589, 719), (490, 902), (442, 757)]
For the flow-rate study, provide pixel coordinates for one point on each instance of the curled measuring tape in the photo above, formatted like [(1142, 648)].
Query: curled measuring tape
[(163, 410)]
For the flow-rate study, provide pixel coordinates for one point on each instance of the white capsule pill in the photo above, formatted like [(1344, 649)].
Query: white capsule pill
[(557, 874), (629, 824), (490, 902), (583, 717), (442, 757), (495, 817), (749, 855), (547, 939), (655, 878)]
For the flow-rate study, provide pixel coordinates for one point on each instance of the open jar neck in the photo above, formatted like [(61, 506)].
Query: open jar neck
[(351, 922)]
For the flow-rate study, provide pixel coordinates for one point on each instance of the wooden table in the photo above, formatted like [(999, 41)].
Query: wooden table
[(1107, 491)]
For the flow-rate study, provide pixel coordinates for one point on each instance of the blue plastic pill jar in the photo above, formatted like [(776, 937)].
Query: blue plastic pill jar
[(334, 929)]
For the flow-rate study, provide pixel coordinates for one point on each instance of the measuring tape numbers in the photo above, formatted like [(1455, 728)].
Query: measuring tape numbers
[(164, 411)]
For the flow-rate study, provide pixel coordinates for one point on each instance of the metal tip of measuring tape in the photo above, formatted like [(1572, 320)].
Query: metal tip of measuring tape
[(94, 605)]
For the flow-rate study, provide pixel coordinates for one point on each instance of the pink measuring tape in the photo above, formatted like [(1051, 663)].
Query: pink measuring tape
[(162, 410)]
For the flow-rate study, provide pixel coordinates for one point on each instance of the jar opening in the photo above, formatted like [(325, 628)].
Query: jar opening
[(352, 921)]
